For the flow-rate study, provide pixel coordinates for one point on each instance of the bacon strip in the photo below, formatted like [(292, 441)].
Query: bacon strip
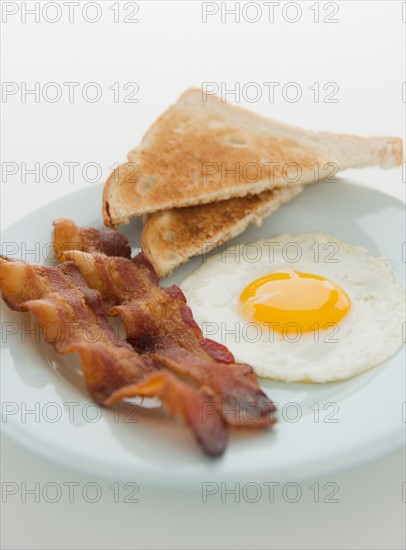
[(68, 236), (73, 318), (159, 322), (197, 408)]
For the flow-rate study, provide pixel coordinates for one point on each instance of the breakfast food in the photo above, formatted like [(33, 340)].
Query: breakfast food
[(203, 173), (171, 237), (303, 308), (203, 150), (68, 236), (159, 322), (68, 311), (165, 354)]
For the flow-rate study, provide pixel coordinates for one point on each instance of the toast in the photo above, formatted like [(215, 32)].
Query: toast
[(169, 238), (200, 151)]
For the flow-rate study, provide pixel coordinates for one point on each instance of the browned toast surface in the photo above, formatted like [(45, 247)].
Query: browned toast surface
[(171, 237), (200, 151)]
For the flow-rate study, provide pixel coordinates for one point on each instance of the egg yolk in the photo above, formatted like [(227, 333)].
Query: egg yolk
[(290, 301)]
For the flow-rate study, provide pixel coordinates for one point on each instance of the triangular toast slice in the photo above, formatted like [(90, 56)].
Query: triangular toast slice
[(171, 237), (203, 150)]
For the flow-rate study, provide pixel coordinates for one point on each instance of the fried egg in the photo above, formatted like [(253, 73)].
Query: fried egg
[(300, 308)]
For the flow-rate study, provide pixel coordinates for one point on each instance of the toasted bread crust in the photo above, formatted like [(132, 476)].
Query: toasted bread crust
[(199, 152), (171, 237)]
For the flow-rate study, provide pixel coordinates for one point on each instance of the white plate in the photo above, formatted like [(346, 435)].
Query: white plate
[(367, 410)]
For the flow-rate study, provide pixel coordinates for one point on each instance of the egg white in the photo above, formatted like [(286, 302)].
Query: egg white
[(369, 334)]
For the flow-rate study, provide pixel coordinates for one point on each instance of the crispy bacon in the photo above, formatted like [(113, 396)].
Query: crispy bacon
[(159, 322), (196, 407), (68, 236), (72, 318)]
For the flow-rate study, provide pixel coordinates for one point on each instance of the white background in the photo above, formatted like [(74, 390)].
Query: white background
[(168, 50)]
